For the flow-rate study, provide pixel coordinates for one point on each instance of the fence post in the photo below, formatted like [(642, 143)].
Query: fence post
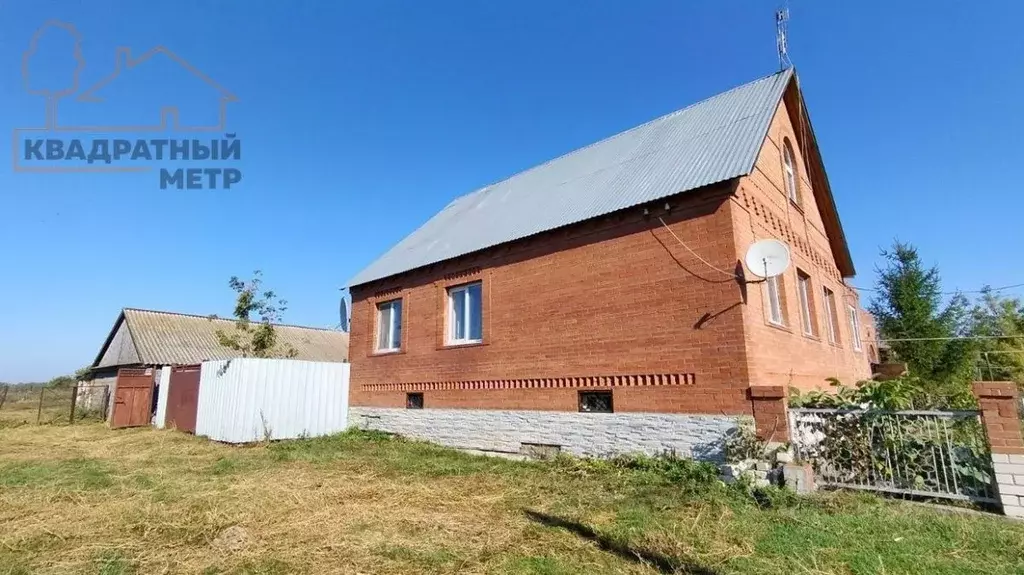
[(74, 400), (1000, 414), (771, 414), (39, 412)]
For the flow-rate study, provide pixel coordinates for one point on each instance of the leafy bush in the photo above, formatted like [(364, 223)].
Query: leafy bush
[(870, 445), (906, 392), (742, 444)]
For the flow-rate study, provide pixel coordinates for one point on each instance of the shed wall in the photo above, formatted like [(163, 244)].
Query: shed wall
[(162, 385), (248, 399), (121, 351)]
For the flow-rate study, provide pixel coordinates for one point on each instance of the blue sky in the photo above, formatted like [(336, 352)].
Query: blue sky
[(359, 121)]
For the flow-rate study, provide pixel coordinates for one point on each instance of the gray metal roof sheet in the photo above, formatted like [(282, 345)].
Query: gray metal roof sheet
[(166, 338), (708, 142)]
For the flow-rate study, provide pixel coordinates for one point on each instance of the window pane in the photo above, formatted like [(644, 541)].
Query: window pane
[(458, 309), (774, 304), (830, 315), (475, 320), (396, 333), (854, 327), (383, 326), (805, 305), (790, 172)]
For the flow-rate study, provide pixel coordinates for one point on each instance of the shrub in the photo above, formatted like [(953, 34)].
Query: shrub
[(906, 392)]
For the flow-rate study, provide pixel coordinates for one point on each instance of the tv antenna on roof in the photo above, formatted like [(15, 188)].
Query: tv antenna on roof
[(781, 33), (767, 258)]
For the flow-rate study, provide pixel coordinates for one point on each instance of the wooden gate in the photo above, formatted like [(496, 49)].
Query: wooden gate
[(133, 398), (183, 398)]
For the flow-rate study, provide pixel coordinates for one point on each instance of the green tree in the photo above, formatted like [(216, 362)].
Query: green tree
[(255, 338), (918, 325), (62, 381), (999, 320)]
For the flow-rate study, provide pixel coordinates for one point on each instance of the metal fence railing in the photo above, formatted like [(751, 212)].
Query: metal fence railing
[(942, 454)]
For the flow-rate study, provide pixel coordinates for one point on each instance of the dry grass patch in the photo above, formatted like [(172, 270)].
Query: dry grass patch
[(85, 499)]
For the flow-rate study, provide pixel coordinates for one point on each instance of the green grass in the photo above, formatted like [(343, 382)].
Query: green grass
[(85, 499), (75, 474)]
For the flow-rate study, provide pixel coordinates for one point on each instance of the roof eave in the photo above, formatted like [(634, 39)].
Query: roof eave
[(837, 237)]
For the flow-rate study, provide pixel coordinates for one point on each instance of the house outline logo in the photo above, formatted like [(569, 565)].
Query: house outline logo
[(169, 115)]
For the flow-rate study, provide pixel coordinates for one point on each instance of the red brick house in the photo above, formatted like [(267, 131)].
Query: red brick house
[(610, 280)]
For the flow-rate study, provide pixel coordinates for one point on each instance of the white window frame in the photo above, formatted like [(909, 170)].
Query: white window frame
[(774, 301), (394, 320), (789, 169), (803, 283), (451, 337), (854, 327), (830, 314)]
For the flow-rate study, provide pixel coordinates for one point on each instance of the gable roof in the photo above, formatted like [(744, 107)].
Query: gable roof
[(167, 338), (714, 140)]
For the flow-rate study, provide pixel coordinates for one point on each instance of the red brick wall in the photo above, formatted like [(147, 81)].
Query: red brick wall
[(616, 299), (1000, 412), (617, 303), (771, 419), (785, 355)]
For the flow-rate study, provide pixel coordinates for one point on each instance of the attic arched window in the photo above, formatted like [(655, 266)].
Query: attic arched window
[(789, 170)]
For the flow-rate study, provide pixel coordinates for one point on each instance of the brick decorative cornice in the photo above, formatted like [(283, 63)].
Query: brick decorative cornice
[(540, 383)]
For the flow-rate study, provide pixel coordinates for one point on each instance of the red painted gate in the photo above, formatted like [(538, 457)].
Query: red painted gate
[(183, 398), (133, 398)]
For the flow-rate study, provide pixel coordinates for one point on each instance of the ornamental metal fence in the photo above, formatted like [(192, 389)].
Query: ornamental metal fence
[(943, 454)]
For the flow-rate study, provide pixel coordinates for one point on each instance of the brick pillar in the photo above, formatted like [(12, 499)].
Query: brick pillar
[(1000, 413), (771, 417)]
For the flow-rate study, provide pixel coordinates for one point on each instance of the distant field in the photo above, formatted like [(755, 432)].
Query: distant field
[(22, 405), (85, 499)]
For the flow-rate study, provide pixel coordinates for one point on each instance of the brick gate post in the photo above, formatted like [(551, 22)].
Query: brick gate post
[(1000, 413), (771, 416)]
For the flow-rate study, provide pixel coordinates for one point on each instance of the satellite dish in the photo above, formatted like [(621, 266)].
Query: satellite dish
[(767, 258), (343, 315)]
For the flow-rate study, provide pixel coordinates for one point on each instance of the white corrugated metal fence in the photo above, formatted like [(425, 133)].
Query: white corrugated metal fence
[(250, 399)]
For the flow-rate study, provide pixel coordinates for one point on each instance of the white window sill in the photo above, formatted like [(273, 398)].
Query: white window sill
[(463, 342)]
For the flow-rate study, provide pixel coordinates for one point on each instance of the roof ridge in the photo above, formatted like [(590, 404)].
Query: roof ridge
[(214, 317), (616, 135)]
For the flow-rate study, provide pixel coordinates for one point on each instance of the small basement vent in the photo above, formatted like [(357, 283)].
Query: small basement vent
[(596, 402), (414, 401), (539, 450)]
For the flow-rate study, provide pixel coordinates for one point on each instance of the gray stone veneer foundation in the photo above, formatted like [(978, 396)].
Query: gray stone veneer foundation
[(585, 434)]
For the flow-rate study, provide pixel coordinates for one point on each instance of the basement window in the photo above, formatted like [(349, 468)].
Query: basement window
[(414, 401), (596, 402)]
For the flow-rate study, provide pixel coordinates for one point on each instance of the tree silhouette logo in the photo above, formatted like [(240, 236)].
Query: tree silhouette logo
[(59, 79), (48, 32)]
